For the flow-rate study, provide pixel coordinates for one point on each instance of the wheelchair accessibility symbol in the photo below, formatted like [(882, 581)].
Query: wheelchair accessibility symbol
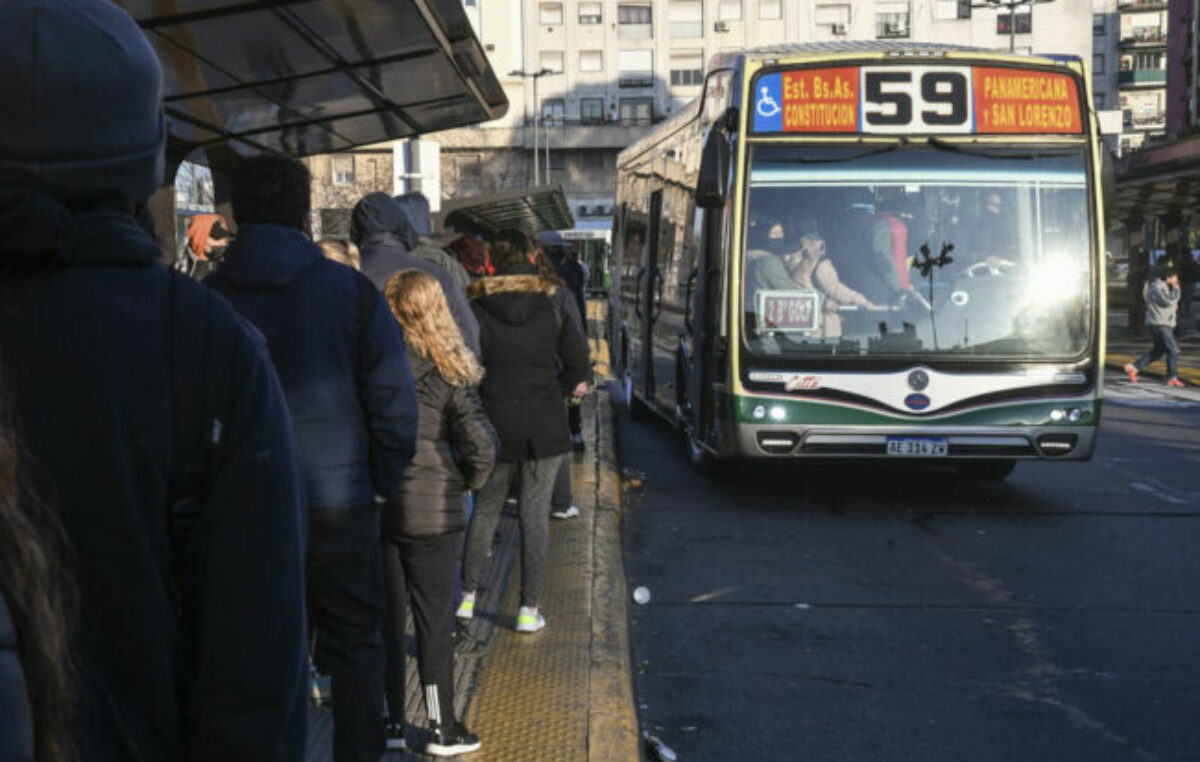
[(766, 106)]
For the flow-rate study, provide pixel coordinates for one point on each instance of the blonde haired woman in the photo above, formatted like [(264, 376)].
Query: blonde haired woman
[(423, 522), (341, 250)]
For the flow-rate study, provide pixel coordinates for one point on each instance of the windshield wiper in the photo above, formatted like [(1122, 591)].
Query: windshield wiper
[(994, 153), (849, 157)]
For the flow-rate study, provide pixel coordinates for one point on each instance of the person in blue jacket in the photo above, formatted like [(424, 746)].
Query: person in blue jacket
[(344, 367), (93, 335)]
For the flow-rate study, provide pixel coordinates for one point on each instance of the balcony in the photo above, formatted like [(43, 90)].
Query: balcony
[(1136, 6), (1145, 38), (1142, 77)]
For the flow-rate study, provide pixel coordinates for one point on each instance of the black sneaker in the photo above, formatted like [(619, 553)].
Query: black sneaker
[(395, 736), (452, 741)]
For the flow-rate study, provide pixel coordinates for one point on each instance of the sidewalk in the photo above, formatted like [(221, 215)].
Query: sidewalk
[(566, 692), (1125, 346)]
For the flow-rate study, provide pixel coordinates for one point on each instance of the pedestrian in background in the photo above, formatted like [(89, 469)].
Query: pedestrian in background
[(1162, 303), (208, 240), (535, 355), (342, 360), (423, 243), (149, 411), (424, 520)]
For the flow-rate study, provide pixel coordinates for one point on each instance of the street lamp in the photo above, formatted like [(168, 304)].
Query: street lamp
[(1012, 6), (535, 76)]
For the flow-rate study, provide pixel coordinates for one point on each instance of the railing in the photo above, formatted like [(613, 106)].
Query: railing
[(1143, 77), (1142, 5), (1155, 37)]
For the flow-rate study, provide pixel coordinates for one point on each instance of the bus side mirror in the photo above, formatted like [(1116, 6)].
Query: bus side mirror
[(714, 169)]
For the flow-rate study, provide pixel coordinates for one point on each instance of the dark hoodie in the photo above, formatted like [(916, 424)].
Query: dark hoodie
[(351, 395), (379, 226), (423, 244), (87, 341), (535, 353)]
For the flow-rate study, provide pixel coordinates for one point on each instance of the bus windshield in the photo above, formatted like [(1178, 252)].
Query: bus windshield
[(929, 249)]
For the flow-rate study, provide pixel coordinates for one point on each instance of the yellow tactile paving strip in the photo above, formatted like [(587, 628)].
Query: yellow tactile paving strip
[(566, 693)]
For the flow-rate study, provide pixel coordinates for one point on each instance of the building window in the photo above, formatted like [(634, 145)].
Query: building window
[(1024, 23), (551, 14), (342, 169), (634, 22), (770, 9), (591, 110), (687, 68), (834, 18), (685, 18), (1097, 63), (558, 160), (636, 68), (553, 109), (951, 10), (596, 161), (590, 13), (1099, 25), (468, 172), (551, 59), (891, 20), (591, 60), (637, 110), (729, 10)]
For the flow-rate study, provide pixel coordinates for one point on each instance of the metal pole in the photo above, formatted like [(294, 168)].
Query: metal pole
[(536, 114), (547, 123), (1012, 26)]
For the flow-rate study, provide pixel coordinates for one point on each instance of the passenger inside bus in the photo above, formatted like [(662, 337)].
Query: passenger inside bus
[(809, 267), (862, 246), (767, 244)]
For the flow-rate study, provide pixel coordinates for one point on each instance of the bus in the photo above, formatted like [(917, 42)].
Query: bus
[(868, 250), (593, 243)]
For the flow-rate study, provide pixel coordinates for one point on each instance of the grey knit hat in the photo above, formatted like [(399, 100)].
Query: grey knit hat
[(83, 106)]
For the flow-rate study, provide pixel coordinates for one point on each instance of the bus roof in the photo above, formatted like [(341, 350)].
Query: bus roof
[(305, 77)]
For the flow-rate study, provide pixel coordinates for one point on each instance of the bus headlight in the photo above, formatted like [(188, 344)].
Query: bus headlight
[(1075, 416), (1057, 414), (778, 414), (759, 412)]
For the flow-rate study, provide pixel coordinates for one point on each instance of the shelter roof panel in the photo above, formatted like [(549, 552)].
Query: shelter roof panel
[(308, 76), (530, 210)]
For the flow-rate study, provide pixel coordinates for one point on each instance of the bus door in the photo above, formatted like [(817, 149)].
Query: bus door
[(649, 299), (704, 324)]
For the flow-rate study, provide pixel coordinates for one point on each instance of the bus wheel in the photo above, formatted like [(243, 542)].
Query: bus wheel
[(986, 470)]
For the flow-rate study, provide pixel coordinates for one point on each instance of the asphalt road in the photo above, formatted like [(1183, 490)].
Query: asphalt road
[(844, 612)]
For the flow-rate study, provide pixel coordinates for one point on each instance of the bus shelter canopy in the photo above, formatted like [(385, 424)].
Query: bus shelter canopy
[(302, 77), (1163, 181), (530, 210)]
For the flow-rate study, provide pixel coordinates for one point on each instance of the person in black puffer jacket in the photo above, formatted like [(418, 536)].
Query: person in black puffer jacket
[(423, 521), (536, 355)]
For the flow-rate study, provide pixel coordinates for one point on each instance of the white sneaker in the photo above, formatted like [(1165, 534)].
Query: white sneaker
[(529, 620), (566, 513), (466, 609)]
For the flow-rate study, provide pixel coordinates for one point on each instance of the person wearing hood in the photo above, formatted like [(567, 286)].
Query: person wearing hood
[(191, 632), (380, 229), (342, 360), (423, 243), (535, 355)]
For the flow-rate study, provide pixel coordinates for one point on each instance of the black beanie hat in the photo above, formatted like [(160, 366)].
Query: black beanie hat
[(376, 213), (83, 110)]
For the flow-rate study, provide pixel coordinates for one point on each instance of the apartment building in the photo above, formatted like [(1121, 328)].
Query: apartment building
[(585, 78), (1142, 77)]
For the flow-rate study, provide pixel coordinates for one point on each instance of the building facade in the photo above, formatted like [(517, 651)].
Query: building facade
[(1142, 77)]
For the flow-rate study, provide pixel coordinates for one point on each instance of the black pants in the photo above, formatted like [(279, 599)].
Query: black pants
[(346, 605), (423, 571)]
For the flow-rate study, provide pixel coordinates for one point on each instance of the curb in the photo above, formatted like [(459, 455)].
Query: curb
[(1117, 362), (612, 717)]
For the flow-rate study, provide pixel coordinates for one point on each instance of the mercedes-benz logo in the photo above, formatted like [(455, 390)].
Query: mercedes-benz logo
[(918, 380)]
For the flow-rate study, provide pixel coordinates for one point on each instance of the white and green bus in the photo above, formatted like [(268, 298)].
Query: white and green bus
[(868, 250)]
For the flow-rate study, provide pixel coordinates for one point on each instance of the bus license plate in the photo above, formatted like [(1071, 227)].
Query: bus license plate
[(917, 447)]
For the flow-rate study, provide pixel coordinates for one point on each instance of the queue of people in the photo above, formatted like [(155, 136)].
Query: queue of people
[(200, 481)]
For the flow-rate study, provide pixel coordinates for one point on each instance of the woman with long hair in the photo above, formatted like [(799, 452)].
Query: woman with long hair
[(423, 522), (37, 624)]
